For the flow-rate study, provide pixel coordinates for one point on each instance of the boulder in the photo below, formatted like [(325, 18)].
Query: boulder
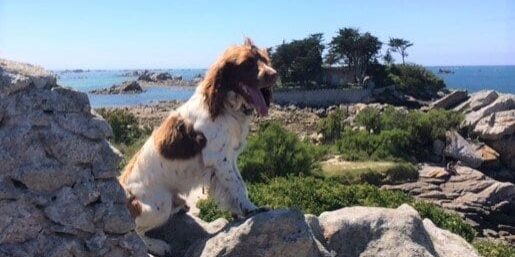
[(506, 148), (458, 148), (131, 87), (59, 195), (477, 101), (502, 103), (352, 231), (127, 87), (496, 125), (450, 100), (485, 202)]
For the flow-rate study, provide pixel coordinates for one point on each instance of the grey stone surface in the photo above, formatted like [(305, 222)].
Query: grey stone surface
[(458, 148), (450, 100), (57, 169), (477, 101), (496, 125), (485, 202)]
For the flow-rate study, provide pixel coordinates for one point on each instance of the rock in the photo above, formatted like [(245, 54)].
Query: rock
[(506, 148), (496, 125), (502, 103), (163, 76), (57, 169), (145, 76), (368, 231), (450, 100), (458, 148), (127, 87), (485, 202), (477, 101), (277, 233)]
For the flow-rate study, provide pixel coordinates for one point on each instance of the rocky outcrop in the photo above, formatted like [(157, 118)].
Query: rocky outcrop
[(477, 101), (486, 203), (58, 191), (127, 87), (450, 100), (472, 154), (496, 125), (353, 231)]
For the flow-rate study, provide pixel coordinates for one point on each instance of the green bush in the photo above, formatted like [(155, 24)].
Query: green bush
[(274, 152), (313, 195), (400, 172), (397, 134), (493, 249), (415, 80), (332, 126), (361, 145), (125, 126), (370, 118)]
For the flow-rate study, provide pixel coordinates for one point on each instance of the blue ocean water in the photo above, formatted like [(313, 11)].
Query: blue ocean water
[(475, 78), (95, 79), (471, 78)]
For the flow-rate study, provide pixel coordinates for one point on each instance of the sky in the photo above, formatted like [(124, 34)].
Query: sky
[(101, 34)]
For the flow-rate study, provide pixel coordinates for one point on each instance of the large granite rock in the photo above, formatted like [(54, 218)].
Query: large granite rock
[(450, 100), (127, 87), (349, 232), (477, 101), (58, 191), (496, 125), (458, 148), (486, 203), (501, 103)]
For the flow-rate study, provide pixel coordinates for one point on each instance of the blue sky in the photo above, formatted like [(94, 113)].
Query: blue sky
[(190, 34)]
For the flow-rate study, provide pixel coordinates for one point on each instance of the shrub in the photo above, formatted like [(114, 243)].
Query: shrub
[(415, 80), (274, 152), (361, 145), (313, 195), (332, 126), (374, 173), (125, 126), (397, 134), (493, 249), (370, 118), (209, 210)]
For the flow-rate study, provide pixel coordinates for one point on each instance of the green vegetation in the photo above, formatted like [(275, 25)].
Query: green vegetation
[(354, 49), (332, 126), (313, 195), (396, 134), (128, 136), (399, 45), (299, 62), (414, 80), (370, 172), (274, 152), (493, 249)]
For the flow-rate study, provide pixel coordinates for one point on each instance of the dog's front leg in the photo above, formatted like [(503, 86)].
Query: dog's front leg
[(228, 188)]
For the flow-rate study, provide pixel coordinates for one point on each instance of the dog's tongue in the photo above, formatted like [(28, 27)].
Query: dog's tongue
[(257, 100)]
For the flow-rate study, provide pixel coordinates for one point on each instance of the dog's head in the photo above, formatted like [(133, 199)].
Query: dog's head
[(245, 70)]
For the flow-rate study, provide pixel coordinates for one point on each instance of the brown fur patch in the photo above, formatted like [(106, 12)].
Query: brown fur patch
[(238, 64), (134, 206), (176, 139), (129, 168)]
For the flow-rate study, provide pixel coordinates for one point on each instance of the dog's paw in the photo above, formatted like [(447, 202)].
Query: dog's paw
[(256, 211), (157, 247)]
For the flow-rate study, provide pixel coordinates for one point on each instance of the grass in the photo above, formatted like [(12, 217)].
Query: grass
[(371, 172), (494, 249)]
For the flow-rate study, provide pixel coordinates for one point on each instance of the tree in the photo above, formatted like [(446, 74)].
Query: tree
[(354, 49), (400, 45), (388, 58), (300, 61)]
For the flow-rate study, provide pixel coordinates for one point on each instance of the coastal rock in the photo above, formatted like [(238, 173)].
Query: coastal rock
[(458, 148), (483, 201), (506, 148), (496, 125), (127, 87), (352, 231), (54, 158), (368, 231), (502, 103), (477, 101), (450, 100)]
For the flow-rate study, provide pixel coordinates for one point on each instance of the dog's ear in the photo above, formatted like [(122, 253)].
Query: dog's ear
[(216, 88), (248, 42)]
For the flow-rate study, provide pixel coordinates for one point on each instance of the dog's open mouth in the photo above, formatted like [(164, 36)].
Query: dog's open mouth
[(258, 97)]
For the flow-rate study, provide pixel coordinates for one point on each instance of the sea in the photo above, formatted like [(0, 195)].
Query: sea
[(470, 78)]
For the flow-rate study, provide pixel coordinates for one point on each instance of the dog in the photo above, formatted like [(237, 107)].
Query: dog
[(198, 144)]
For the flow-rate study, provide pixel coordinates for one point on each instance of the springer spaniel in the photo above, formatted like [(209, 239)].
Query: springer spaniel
[(199, 143)]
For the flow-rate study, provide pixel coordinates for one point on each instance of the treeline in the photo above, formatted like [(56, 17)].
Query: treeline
[(300, 63)]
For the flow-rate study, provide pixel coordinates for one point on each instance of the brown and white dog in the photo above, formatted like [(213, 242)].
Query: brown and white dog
[(199, 143)]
